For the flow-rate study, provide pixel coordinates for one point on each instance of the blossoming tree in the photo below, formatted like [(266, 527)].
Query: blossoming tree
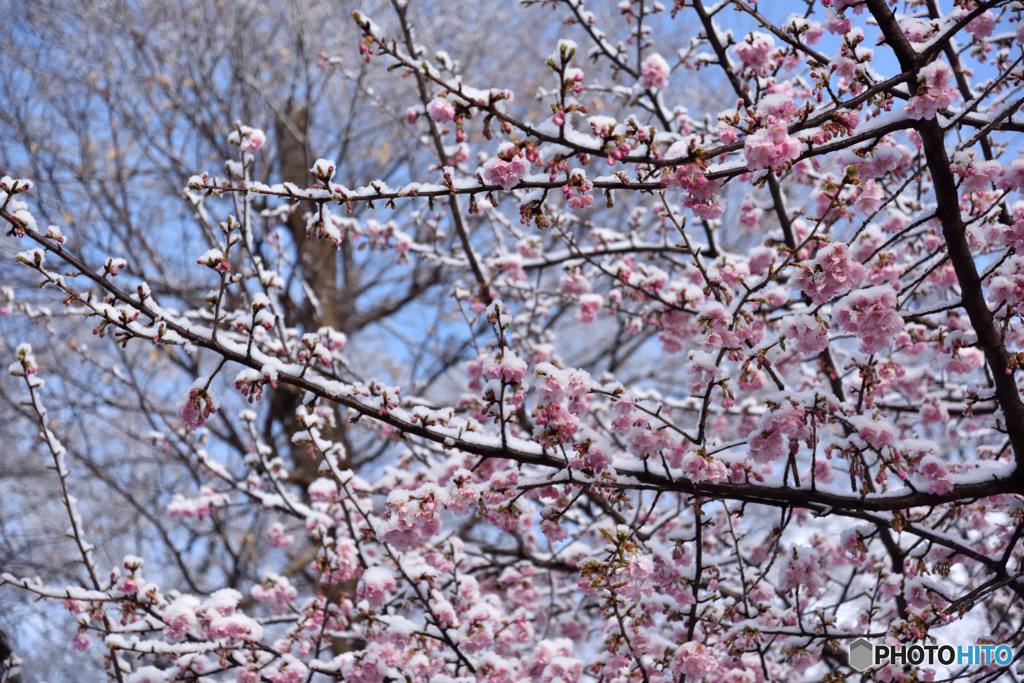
[(734, 386)]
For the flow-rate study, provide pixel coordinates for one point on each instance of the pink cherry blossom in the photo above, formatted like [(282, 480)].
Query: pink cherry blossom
[(964, 361), (755, 51), (412, 518), (504, 366), (771, 147), (935, 91), (694, 660), (836, 24), (767, 445), (831, 273), (375, 585), (806, 332), (698, 469), (252, 141), (933, 412), (810, 30), (506, 173), (869, 199), (441, 110), (916, 30), (590, 304), (823, 473), (802, 569), (875, 433), (778, 105), (275, 590), (701, 371), (667, 425), (870, 314), (654, 72), (981, 26)]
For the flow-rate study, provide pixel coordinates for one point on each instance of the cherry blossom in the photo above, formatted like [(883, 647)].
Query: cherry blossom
[(935, 91), (771, 147), (655, 72), (506, 172), (870, 314), (740, 386), (755, 51), (830, 273), (807, 333), (441, 110)]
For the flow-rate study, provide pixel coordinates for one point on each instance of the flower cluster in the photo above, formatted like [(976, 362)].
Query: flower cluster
[(783, 421), (412, 518), (249, 140), (871, 315), (831, 273), (563, 396), (577, 190), (808, 334), (507, 168), (198, 408), (756, 52), (654, 72), (935, 91), (771, 147), (702, 191)]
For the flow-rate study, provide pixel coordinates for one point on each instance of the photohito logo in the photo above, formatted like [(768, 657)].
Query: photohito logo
[(863, 654)]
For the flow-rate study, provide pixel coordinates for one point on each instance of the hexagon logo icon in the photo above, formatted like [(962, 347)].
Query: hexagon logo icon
[(862, 654)]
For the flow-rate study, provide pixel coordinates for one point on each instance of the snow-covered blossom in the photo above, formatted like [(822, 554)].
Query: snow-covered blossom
[(412, 518), (936, 477), (147, 674), (200, 507), (771, 440), (276, 590), (836, 24), (869, 199), (590, 304), (876, 433), (876, 162), (577, 190), (698, 468), (802, 569), (504, 366), (324, 169), (755, 51), (621, 439), (807, 333), (831, 273), (654, 72), (375, 585), (701, 371), (441, 110), (249, 140), (506, 169), (694, 661), (778, 105), (871, 315), (935, 91), (771, 147), (981, 26), (810, 30)]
